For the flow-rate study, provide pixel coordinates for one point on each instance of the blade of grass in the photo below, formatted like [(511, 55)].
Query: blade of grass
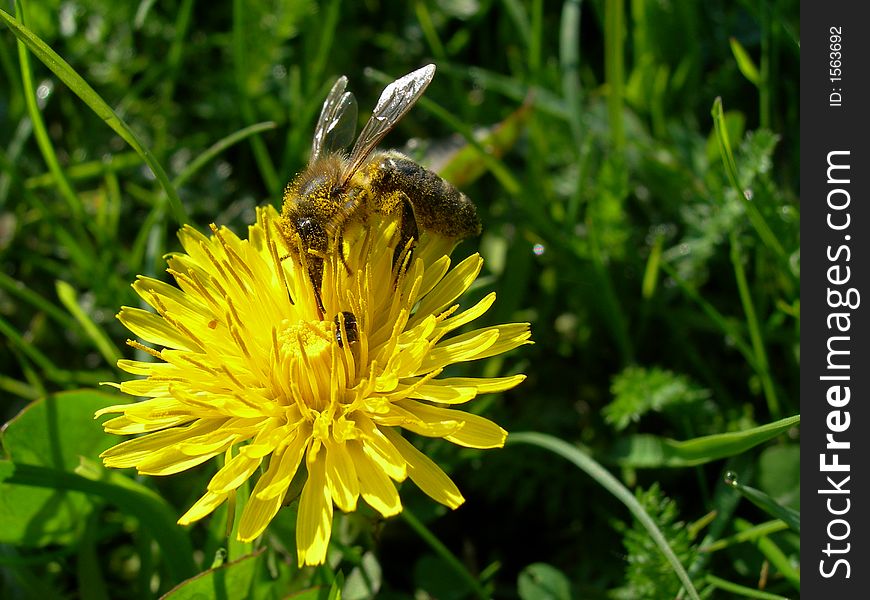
[(517, 12), (41, 134), (89, 96), (755, 335), (745, 62), (741, 590), (261, 153), (18, 289), (603, 477), (774, 555), (651, 272), (536, 39), (96, 334), (714, 315), (49, 370), (218, 147), (9, 157), (749, 534), (88, 170), (768, 238), (569, 64), (614, 57), (424, 18), (325, 39), (789, 516), (652, 451), (19, 388)]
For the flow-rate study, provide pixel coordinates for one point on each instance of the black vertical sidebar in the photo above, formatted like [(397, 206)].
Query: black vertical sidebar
[(835, 262)]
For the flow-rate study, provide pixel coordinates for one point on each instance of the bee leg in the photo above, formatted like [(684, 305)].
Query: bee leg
[(315, 273), (341, 253), (408, 233)]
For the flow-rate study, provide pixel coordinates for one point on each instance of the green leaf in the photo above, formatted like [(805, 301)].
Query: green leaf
[(436, 577), (540, 581), (52, 432), (779, 474), (231, 580), (365, 580), (651, 451)]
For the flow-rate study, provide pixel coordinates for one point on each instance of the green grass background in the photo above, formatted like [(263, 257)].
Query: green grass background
[(648, 231)]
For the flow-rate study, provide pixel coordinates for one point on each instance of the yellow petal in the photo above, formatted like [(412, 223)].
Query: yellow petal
[(258, 513), (458, 349), (399, 417), (202, 508), (314, 521), (476, 432), (233, 474), (376, 488), (380, 450), (510, 336), (451, 287), (483, 385), (282, 468), (142, 450), (341, 476), (466, 316), (437, 391), (426, 474), (156, 329)]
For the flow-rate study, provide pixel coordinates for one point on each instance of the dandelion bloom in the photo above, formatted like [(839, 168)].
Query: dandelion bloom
[(252, 368)]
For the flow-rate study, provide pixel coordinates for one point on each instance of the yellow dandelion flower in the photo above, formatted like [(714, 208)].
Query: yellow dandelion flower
[(252, 368)]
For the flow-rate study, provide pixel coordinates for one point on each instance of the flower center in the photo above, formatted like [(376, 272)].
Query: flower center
[(306, 350)]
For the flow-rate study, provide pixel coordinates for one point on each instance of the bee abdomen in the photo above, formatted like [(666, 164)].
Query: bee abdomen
[(438, 206)]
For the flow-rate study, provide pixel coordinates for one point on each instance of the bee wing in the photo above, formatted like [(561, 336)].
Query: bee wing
[(337, 123), (396, 100)]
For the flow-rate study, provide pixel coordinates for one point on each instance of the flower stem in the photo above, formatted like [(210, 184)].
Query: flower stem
[(445, 554)]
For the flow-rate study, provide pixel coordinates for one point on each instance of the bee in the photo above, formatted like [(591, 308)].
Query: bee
[(337, 189), (351, 328)]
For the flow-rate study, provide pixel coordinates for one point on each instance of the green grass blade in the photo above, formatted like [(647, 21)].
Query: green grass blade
[(89, 96), (652, 451), (714, 315), (789, 516), (218, 147), (774, 555), (603, 477), (738, 590), (261, 152), (749, 534), (755, 333), (768, 238), (88, 170), (18, 289), (41, 134), (745, 62), (614, 68), (102, 342)]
